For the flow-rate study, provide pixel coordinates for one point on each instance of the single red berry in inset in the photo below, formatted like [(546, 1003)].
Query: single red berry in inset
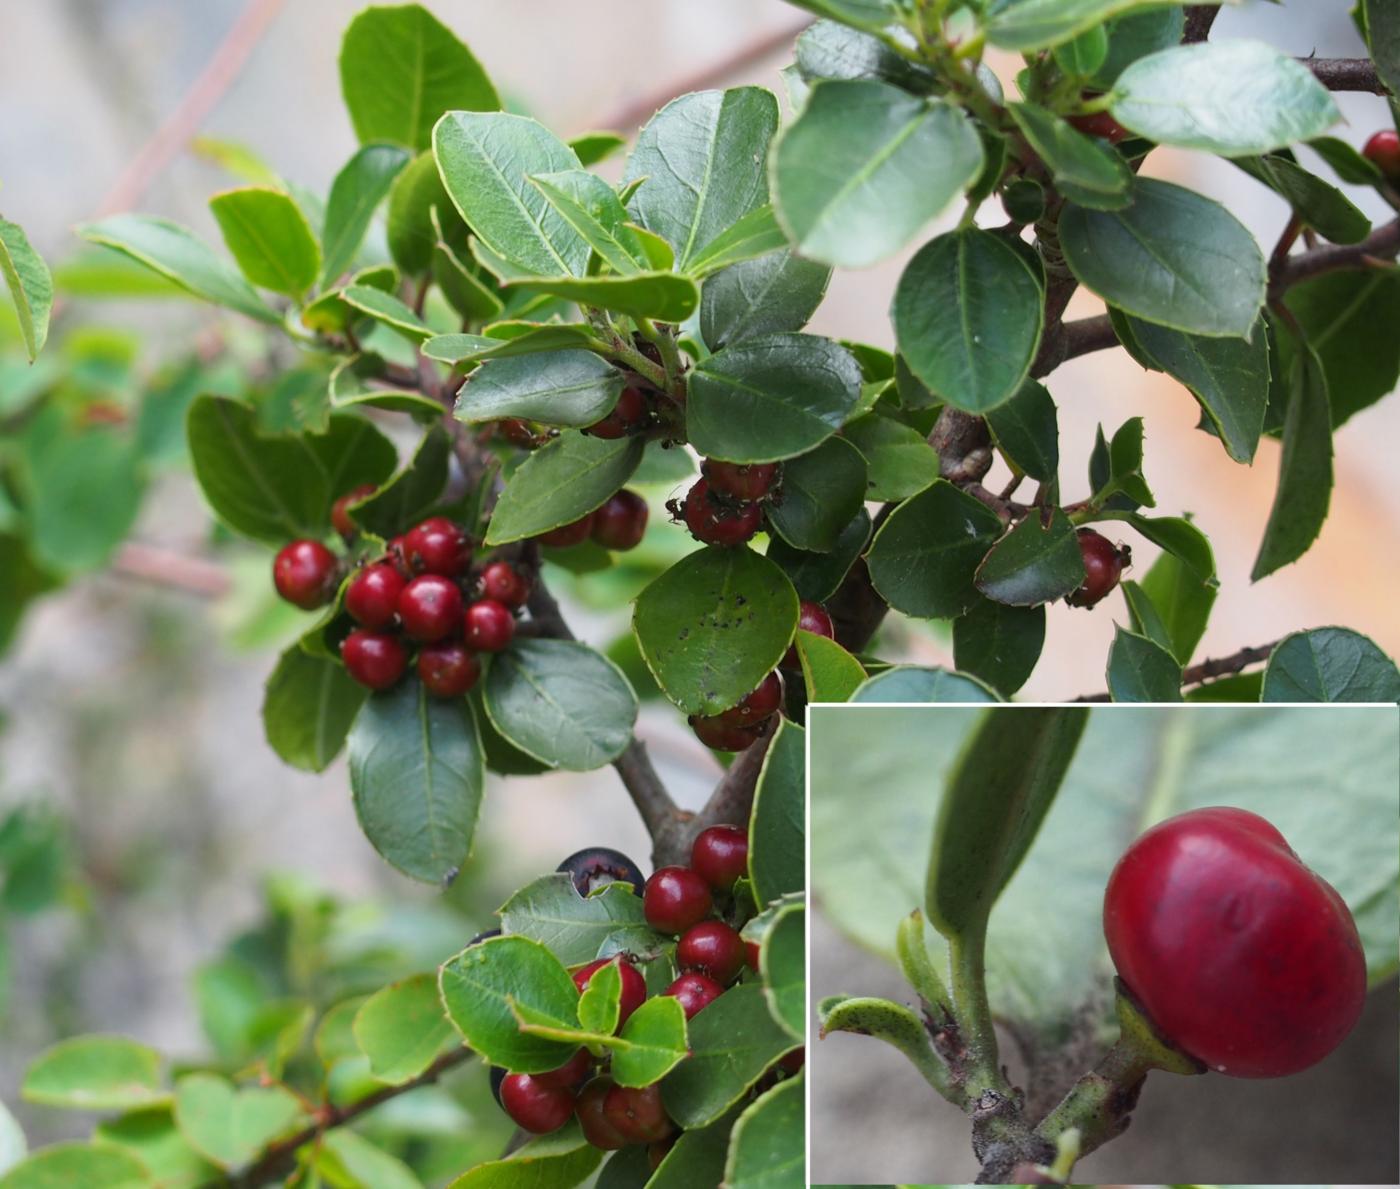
[(720, 855), (372, 598), (675, 898), (717, 523), (715, 733), (437, 546), (1383, 151), (758, 706), (1103, 566), (568, 1075), (536, 1108), (430, 607), (488, 626), (375, 659), (340, 510), (621, 522), (712, 948), (695, 991), (811, 617), (305, 574), (597, 866), (637, 1113), (448, 669), (568, 535), (1238, 953), (634, 986), (740, 481), (504, 583), (1100, 124), (628, 415), (598, 1129)]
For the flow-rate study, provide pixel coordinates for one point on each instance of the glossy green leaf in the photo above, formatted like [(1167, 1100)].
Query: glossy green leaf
[(230, 1124), (1034, 563), (782, 962), (346, 1157), (1026, 427), (768, 1150), (830, 673), (1124, 467), (829, 49), (1183, 599), (664, 296), (753, 235), (901, 462), (561, 481), (94, 1073), (309, 703), (771, 294), (777, 831), (362, 380), (401, 1028), (463, 284), (822, 490), (61, 1165), (860, 14), (560, 1160), (409, 494), (465, 348), (1141, 670), (593, 147), (1382, 28), (270, 238), (601, 1002), (151, 1136), (567, 388), (1085, 170), (1137, 34), (416, 200), (651, 1044), (1322, 207), (30, 284), (593, 209), (387, 309), (356, 193), (577, 929), (816, 576), (892, 1023), (1039, 24), (999, 643), (1330, 665)]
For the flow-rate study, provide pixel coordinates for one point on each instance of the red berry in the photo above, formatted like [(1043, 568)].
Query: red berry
[(340, 510), (517, 432), (372, 598), (637, 1113), (568, 535), (720, 855), (634, 986), (1100, 124), (811, 617), (1103, 566), (751, 951), (1237, 952), (597, 866), (715, 733), (395, 556), (504, 583), (758, 706), (598, 1128), (629, 414), (448, 669), (1383, 151), (533, 1107), (488, 626), (740, 481), (675, 898), (712, 948), (437, 546), (375, 659), (793, 1061), (695, 991), (430, 608), (568, 1075), (717, 523), (304, 573), (621, 522)]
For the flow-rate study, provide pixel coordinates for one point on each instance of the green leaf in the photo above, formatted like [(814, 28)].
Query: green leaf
[(95, 1073), (917, 683), (1085, 54), (416, 773), (577, 929), (151, 1136), (768, 1150), (1173, 257), (1000, 644), (561, 702), (1145, 619), (1183, 599), (1137, 34), (400, 69), (1382, 29), (175, 253), (1234, 98), (561, 481), (1177, 536), (401, 1028), (782, 960), (860, 14), (1086, 170), (1040, 24), (467, 348), (891, 1022), (1140, 670), (348, 1158), (967, 318), (1000, 790), (1034, 563), (768, 295), (1305, 469), (866, 166), (1330, 665), (592, 208), (355, 194), (652, 1042), (361, 380), (830, 673), (68, 1164), (822, 491), (12, 1142), (392, 311), (1125, 467), (270, 238), (816, 576), (1027, 429), (231, 1125), (924, 557), (702, 158), (309, 703), (1320, 206), (601, 1002), (30, 285), (900, 460), (593, 147), (408, 496), (696, 1159), (828, 49), (420, 216), (568, 388), (660, 295), (770, 398), (560, 1160), (753, 235), (777, 832), (462, 284)]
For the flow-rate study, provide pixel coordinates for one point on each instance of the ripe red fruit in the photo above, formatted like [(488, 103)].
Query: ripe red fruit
[(340, 510), (621, 522), (1238, 953), (394, 555), (695, 991), (568, 535), (634, 986), (793, 1061), (1100, 124), (533, 1107), (597, 866), (752, 953), (437, 546), (488, 626), (740, 481), (1383, 151), (717, 523), (637, 1113), (720, 855), (372, 598), (504, 583), (375, 659), (811, 617), (430, 607), (448, 669), (675, 898), (628, 415), (304, 573), (517, 433), (568, 1075), (598, 1128), (715, 733), (758, 706), (1103, 566), (712, 948)]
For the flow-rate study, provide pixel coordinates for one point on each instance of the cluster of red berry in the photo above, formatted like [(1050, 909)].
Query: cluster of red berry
[(618, 525), (725, 505)]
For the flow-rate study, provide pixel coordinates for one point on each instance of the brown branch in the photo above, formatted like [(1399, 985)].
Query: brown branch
[(1346, 74), (1382, 244), (1210, 669), (171, 568), (1085, 335), (1198, 23)]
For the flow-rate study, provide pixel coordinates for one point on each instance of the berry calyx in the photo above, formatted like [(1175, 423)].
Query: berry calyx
[(488, 626), (717, 523), (695, 991), (715, 733), (503, 582), (568, 1075), (637, 1113), (741, 481), (375, 659), (372, 598), (1383, 151), (437, 546), (634, 986), (1099, 124), (595, 867), (621, 522), (533, 1107), (720, 855), (628, 415), (761, 704), (598, 1128), (1239, 954), (712, 948), (304, 573), (674, 899), (448, 669), (811, 617), (1103, 566), (429, 608), (568, 535)]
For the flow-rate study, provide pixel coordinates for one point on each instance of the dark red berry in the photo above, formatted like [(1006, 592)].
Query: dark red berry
[(598, 1129), (717, 523), (448, 669), (675, 898), (305, 574), (695, 991), (430, 608), (517, 432), (437, 546), (568, 535), (712, 948), (1103, 566), (1383, 151), (488, 626), (504, 583), (372, 598), (597, 866), (533, 1107), (740, 481), (794, 1061), (1100, 124), (752, 953), (715, 733), (758, 706), (568, 1075), (637, 1113), (720, 855), (395, 556), (340, 510), (811, 617), (634, 986), (628, 415), (375, 659), (621, 522)]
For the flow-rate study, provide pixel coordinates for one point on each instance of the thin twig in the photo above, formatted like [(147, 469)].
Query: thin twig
[(1346, 74), (1210, 669), (171, 568), (1382, 244), (1085, 335), (1199, 20)]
